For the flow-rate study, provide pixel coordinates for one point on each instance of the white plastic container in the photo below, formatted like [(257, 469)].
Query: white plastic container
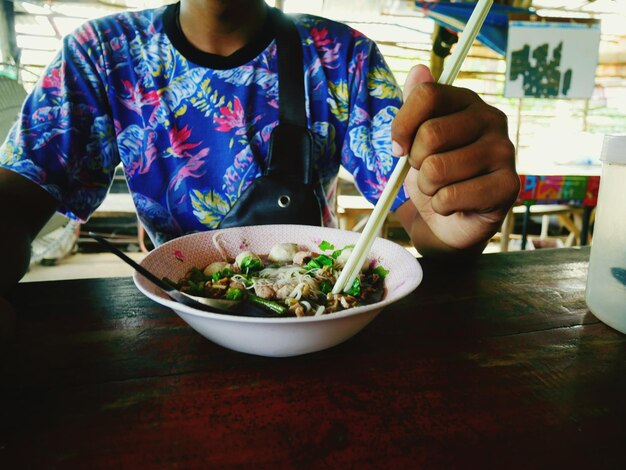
[(606, 280)]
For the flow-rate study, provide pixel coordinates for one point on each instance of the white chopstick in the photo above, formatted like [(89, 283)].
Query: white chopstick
[(379, 214)]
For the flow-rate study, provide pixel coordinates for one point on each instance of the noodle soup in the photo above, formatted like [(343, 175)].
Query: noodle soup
[(288, 281)]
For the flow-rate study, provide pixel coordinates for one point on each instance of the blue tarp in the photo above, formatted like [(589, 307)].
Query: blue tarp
[(453, 15)]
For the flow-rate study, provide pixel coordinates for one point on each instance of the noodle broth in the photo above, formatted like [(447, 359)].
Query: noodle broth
[(288, 281)]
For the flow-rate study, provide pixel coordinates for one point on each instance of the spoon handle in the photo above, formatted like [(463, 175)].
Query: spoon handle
[(128, 260), (164, 286), (249, 310)]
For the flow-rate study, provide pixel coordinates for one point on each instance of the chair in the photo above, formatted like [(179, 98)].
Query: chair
[(569, 194), (12, 95), (567, 217)]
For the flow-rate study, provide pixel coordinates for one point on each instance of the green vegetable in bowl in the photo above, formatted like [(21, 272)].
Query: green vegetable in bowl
[(300, 286)]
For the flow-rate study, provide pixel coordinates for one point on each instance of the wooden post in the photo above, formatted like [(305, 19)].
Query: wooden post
[(519, 3), (9, 52), (5, 49), (518, 127), (586, 116), (436, 62)]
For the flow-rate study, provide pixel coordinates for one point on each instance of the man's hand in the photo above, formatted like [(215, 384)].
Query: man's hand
[(463, 178)]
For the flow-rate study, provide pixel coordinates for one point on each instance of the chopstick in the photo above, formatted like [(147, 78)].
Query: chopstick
[(379, 214)]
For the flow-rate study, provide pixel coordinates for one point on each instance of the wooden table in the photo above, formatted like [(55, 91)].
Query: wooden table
[(494, 364)]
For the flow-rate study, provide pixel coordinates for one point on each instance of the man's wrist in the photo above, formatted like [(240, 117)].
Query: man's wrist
[(429, 245)]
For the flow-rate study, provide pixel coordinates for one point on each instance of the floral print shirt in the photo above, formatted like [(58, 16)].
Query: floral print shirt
[(192, 129)]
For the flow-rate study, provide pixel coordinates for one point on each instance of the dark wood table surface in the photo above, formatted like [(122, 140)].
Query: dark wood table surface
[(492, 364)]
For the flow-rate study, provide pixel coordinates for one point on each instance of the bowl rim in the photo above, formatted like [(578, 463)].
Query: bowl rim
[(405, 288)]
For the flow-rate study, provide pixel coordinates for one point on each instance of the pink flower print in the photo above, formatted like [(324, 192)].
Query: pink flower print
[(53, 80), (330, 51), (356, 67), (320, 38), (179, 255), (330, 56), (357, 34), (377, 187), (146, 159), (231, 118), (234, 118), (150, 154), (244, 158), (116, 44), (86, 34), (191, 168), (136, 97), (178, 139)]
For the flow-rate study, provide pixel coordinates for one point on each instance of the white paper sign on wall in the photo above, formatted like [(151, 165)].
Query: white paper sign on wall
[(551, 59)]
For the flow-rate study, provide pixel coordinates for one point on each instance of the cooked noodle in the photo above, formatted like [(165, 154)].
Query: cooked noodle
[(301, 287)]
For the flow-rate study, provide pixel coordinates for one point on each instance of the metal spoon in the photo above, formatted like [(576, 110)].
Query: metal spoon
[(222, 306)]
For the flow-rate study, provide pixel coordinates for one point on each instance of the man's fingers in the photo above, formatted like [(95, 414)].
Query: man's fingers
[(416, 76), (479, 158), (426, 101), (439, 135), (493, 192), (440, 170)]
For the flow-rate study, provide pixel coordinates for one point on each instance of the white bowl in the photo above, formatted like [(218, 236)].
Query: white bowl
[(275, 336)]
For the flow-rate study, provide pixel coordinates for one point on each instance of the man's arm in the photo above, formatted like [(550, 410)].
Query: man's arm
[(24, 210)]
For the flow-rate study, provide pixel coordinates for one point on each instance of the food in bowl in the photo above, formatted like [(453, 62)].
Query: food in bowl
[(290, 280), (275, 336)]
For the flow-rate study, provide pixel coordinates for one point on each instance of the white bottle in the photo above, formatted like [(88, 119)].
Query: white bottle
[(606, 281)]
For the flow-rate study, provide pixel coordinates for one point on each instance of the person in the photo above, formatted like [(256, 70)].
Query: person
[(185, 97)]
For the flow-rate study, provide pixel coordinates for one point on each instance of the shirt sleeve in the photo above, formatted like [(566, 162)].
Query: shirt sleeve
[(64, 138), (375, 98)]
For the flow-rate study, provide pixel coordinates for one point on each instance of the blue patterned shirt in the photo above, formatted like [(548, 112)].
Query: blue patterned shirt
[(192, 129)]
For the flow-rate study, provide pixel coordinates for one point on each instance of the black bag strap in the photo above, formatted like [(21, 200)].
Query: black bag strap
[(291, 145), (290, 70)]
